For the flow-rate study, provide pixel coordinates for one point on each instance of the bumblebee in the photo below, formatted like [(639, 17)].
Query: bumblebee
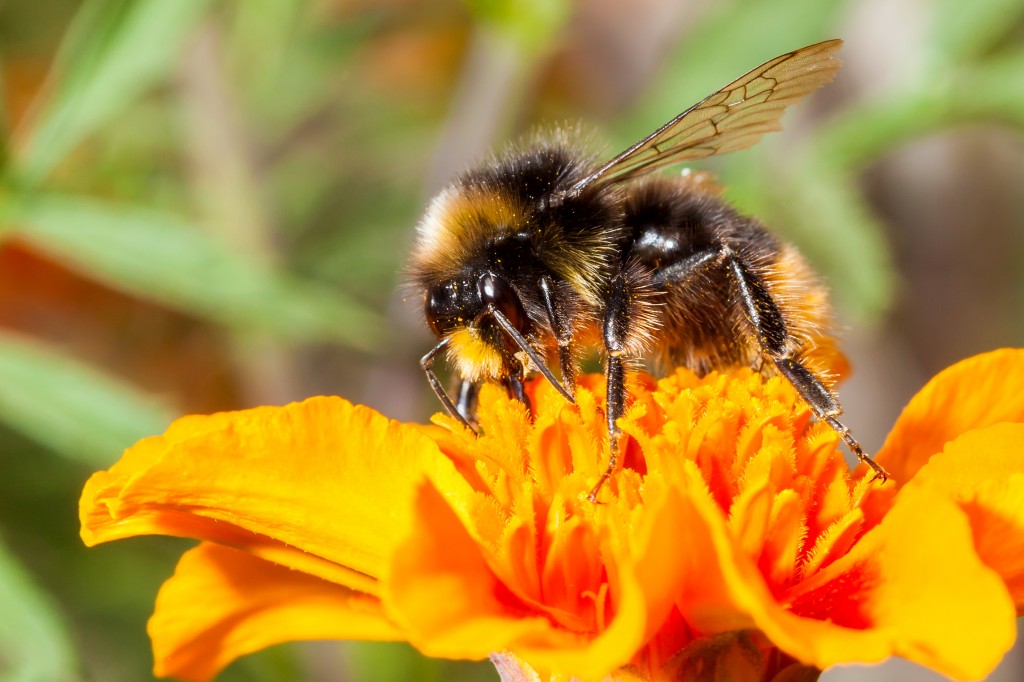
[(541, 252)]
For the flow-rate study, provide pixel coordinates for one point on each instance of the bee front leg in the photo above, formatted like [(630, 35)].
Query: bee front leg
[(427, 364), (515, 386), (465, 402), (563, 334), (765, 318), (520, 341)]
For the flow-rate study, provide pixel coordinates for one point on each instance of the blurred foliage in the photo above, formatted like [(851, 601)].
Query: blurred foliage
[(34, 640), (76, 411), (205, 204)]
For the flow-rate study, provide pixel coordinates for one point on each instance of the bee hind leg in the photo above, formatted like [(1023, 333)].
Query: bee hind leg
[(764, 316)]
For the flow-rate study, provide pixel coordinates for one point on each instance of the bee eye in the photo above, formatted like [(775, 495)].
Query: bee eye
[(438, 306), (495, 290)]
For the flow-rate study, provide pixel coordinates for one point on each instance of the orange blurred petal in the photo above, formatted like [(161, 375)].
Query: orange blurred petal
[(983, 471), (981, 391), (222, 603), (322, 486)]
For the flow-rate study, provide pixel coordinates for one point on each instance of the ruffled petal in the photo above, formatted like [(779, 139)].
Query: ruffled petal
[(912, 587), (983, 471), (222, 603), (322, 486), (980, 391), (450, 604)]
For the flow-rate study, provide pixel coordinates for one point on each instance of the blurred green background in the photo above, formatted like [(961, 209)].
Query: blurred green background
[(206, 204)]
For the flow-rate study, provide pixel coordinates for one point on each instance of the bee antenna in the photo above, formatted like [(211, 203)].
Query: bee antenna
[(525, 346)]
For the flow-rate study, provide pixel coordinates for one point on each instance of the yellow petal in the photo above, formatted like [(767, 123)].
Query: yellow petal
[(221, 604), (980, 391), (983, 471), (310, 485)]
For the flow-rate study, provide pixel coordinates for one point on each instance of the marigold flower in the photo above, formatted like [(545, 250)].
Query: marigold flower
[(734, 541)]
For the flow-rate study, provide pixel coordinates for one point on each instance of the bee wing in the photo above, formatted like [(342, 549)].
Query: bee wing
[(731, 119)]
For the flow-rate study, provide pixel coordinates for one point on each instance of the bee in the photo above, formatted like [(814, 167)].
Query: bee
[(541, 252)]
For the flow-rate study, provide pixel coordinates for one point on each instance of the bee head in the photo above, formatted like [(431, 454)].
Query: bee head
[(465, 301), (464, 312)]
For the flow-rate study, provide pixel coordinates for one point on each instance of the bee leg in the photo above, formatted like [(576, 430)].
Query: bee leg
[(465, 403), (614, 332), (427, 363), (525, 346), (616, 406), (515, 387), (563, 334), (764, 316), (680, 271), (826, 408)]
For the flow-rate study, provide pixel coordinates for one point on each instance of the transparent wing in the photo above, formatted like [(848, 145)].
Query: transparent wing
[(733, 118)]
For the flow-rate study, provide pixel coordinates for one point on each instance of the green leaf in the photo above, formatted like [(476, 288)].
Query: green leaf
[(114, 52), (965, 30), (995, 88), (164, 257), (843, 232), (861, 135), (73, 409), (531, 23), (35, 645)]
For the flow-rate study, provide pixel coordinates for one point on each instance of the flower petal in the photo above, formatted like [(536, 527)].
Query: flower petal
[(301, 484), (980, 391), (983, 471), (450, 604), (222, 603), (912, 587)]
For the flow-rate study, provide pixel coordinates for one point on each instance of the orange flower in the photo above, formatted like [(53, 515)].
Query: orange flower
[(735, 539)]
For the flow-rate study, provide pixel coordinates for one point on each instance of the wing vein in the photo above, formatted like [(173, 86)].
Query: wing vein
[(733, 118)]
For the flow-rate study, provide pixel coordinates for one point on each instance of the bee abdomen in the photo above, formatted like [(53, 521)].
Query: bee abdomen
[(730, 290)]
